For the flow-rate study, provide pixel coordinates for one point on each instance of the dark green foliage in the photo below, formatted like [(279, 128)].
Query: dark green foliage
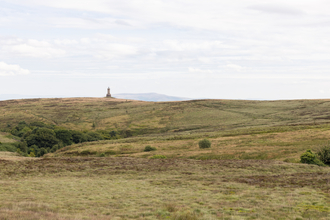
[(38, 124), (149, 148), (44, 137), (310, 158), (323, 154), (113, 133), (42, 151), (8, 147), (93, 136), (54, 148), (102, 155), (126, 133), (38, 135), (34, 149), (204, 143), (31, 140), (64, 135), (23, 147), (78, 137)]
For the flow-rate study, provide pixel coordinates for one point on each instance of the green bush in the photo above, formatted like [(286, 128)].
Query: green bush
[(323, 154), (149, 148), (102, 155), (8, 147), (158, 157), (42, 152), (204, 144), (310, 158)]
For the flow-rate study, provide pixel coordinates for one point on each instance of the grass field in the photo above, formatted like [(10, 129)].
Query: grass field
[(164, 117), (137, 188), (251, 171)]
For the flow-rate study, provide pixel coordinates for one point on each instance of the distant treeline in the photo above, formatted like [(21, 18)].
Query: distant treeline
[(38, 138)]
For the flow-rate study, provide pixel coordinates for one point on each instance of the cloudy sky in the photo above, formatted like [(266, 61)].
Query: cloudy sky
[(233, 49)]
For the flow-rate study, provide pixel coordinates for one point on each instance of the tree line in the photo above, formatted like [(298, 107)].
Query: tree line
[(38, 138)]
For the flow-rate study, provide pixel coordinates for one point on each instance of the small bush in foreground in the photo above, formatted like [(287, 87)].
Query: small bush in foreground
[(204, 144), (158, 157), (310, 158), (149, 148), (323, 154)]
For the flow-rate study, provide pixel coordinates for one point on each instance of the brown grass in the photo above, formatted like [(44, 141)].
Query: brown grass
[(136, 188)]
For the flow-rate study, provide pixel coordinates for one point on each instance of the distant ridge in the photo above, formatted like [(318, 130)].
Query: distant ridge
[(151, 97)]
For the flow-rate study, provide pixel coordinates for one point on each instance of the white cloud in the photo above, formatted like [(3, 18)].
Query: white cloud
[(197, 70), (235, 67), (30, 48), (277, 9), (9, 69)]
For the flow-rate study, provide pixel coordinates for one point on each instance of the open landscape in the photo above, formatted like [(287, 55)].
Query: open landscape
[(251, 171)]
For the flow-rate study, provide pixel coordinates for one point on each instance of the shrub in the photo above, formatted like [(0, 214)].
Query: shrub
[(149, 148), (64, 135), (204, 143), (323, 154), (54, 148), (93, 136), (8, 147), (42, 152), (23, 147), (310, 158), (158, 157), (102, 155)]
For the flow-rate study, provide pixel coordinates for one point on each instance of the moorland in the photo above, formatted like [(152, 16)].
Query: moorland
[(251, 171)]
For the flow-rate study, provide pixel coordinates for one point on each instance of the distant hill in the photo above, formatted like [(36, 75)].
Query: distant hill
[(152, 97), (18, 96)]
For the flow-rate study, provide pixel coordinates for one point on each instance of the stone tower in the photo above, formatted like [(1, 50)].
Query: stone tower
[(108, 94)]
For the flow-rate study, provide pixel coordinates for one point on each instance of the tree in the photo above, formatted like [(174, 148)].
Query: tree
[(64, 135), (78, 137), (43, 137)]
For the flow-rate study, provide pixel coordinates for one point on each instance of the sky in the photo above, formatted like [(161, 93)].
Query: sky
[(218, 49)]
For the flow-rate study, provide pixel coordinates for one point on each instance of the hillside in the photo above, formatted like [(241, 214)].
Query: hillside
[(238, 129), (159, 117), (251, 171), (153, 97)]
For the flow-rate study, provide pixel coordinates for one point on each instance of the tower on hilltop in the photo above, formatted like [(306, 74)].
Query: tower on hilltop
[(108, 94)]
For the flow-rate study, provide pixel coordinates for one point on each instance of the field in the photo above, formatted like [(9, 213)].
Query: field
[(252, 170), (137, 188)]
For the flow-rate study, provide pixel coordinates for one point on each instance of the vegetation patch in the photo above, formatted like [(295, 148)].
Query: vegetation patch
[(149, 148)]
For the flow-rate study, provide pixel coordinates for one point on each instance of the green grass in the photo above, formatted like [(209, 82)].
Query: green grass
[(133, 188), (242, 175), (170, 117)]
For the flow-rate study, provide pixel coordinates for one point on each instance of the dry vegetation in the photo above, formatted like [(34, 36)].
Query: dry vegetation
[(137, 188), (244, 175), (171, 117)]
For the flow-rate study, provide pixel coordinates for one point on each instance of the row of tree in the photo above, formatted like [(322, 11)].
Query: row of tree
[(38, 138)]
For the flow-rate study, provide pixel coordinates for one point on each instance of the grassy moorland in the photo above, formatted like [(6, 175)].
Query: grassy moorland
[(137, 188), (251, 171), (149, 117)]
